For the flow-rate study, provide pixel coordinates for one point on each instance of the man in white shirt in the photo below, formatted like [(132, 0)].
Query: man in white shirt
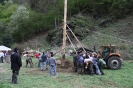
[(1, 57)]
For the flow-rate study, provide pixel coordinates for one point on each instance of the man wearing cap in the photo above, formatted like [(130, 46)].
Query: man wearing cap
[(16, 63)]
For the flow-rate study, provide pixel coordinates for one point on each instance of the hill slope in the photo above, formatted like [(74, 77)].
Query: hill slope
[(119, 33)]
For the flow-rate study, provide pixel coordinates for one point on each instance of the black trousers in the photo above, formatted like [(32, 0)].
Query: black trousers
[(80, 67), (2, 59), (15, 76)]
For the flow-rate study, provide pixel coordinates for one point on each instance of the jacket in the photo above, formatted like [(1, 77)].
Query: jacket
[(80, 59), (52, 61), (16, 62)]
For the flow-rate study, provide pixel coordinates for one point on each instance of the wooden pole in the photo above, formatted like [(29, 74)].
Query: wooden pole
[(64, 33)]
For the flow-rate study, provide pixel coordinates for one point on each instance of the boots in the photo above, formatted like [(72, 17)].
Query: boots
[(15, 81), (14, 78)]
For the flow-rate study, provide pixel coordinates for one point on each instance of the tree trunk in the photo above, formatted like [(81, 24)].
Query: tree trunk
[(78, 6), (55, 13)]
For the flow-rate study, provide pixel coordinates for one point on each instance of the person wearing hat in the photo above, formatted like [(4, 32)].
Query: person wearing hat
[(16, 63)]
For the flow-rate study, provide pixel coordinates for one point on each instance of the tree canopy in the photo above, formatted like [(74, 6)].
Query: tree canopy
[(23, 19)]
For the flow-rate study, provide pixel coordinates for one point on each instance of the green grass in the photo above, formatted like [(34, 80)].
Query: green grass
[(34, 78)]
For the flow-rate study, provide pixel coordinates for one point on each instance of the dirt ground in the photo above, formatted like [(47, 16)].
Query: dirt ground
[(67, 68)]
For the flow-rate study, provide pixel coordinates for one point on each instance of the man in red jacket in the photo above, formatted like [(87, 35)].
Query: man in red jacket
[(37, 55)]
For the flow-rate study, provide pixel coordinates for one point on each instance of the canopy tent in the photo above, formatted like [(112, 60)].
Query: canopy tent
[(4, 48)]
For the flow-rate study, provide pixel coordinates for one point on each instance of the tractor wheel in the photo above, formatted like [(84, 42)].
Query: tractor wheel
[(114, 63)]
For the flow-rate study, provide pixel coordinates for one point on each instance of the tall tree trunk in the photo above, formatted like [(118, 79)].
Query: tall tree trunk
[(55, 13), (34, 4), (78, 6)]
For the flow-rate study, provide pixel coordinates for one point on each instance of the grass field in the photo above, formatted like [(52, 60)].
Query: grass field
[(34, 78)]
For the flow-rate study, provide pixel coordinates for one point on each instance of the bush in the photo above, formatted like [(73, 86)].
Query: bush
[(7, 40), (24, 23), (123, 47), (114, 8)]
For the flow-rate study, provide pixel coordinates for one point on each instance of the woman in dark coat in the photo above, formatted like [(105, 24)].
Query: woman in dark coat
[(16, 63)]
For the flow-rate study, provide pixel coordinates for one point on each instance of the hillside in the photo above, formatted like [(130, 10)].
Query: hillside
[(118, 33)]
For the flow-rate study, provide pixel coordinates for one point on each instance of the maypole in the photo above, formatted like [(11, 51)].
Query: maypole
[(64, 32)]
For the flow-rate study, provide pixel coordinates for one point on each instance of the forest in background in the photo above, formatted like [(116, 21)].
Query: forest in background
[(20, 20)]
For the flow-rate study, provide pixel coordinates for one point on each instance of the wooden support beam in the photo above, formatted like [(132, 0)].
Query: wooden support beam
[(71, 43), (64, 33), (76, 38)]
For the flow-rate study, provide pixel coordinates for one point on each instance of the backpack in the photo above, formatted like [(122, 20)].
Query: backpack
[(43, 58)]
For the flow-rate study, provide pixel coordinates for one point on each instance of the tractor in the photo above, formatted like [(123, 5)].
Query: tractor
[(111, 57)]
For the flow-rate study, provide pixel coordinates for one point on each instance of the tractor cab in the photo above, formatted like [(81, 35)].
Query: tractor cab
[(111, 56), (107, 50)]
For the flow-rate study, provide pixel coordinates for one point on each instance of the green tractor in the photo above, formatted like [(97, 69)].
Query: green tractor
[(111, 57)]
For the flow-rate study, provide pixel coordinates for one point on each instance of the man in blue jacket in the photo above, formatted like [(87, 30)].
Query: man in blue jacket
[(52, 64), (80, 63), (16, 63)]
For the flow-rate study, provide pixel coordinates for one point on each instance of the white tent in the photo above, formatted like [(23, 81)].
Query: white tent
[(4, 48)]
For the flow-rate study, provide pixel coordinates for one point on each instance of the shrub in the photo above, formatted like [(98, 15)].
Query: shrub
[(18, 22), (123, 46), (98, 8), (7, 40)]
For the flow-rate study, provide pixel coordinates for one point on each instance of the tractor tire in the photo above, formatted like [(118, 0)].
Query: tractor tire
[(114, 63)]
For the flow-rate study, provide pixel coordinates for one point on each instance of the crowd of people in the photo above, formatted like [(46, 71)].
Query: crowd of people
[(43, 61), (90, 63), (47, 59)]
